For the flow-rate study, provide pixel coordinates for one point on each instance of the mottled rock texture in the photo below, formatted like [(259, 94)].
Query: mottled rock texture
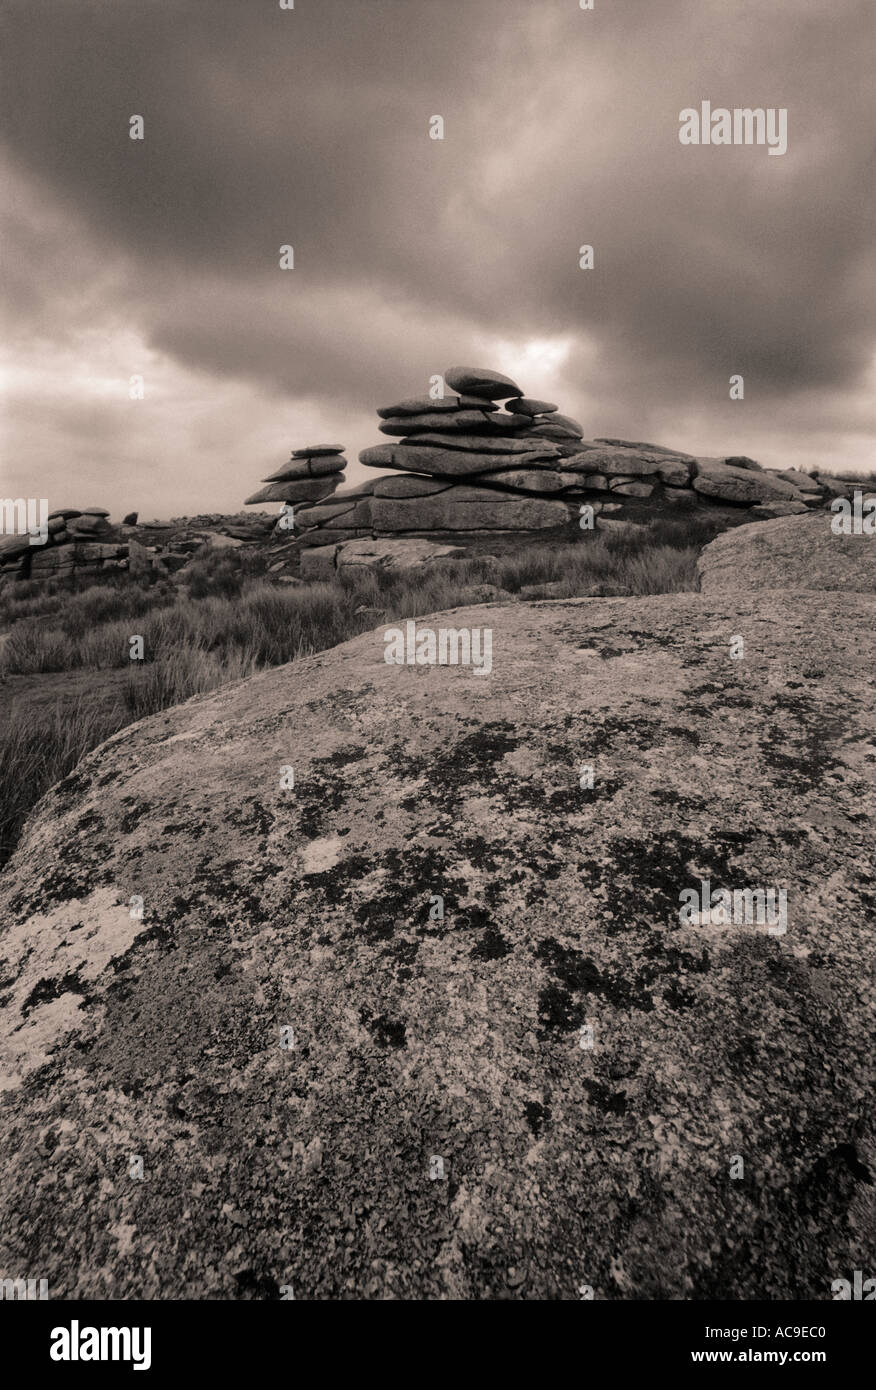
[(417, 1037), (792, 552)]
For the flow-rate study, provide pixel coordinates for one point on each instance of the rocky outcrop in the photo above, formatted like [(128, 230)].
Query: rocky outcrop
[(76, 553), (78, 543), (794, 552), (530, 448), (427, 1024), (311, 474)]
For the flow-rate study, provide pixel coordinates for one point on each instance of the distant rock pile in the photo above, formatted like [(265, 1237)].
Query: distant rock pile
[(84, 545), (79, 542)]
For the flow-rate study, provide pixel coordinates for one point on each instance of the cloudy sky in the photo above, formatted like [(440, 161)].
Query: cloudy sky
[(310, 127)]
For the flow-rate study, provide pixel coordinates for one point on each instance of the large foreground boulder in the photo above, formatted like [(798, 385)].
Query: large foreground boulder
[(793, 552), (347, 1047)]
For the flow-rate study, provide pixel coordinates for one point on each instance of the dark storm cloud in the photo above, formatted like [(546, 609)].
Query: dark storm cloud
[(310, 127)]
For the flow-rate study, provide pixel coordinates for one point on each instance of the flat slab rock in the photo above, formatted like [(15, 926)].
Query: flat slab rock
[(400, 554), (316, 466), (525, 405), (344, 512), (425, 405), (448, 462), (792, 552), (416, 1038), (466, 509), (477, 444), (295, 490), (450, 421)]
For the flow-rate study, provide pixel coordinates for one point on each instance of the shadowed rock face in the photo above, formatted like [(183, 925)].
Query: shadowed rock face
[(793, 552), (417, 1037)]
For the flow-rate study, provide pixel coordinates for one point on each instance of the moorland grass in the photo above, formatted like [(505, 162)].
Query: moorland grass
[(233, 623)]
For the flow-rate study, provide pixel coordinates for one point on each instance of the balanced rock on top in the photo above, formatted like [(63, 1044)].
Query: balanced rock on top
[(477, 381)]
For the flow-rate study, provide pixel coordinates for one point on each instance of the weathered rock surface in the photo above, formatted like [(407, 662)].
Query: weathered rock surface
[(403, 554), (525, 405), (446, 462), (674, 472), (837, 487), (715, 478), (766, 511), (800, 480), (355, 490), (467, 509), (506, 421), (628, 487), (532, 479), (296, 490), (81, 551), (794, 552), (741, 461), (12, 546), (649, 448), (424, 405), (555, 427), (457, 421), (410, 485), (344, 512), (617, 462), (480, 443), (459, 1038), (317, 466)]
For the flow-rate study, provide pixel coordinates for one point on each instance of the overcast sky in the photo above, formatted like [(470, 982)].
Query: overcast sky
[(310, 127)]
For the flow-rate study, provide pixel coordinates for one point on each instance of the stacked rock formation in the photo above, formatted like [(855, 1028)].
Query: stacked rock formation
[(79, 542), (310, 475), (462, 464), (469, 466)]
